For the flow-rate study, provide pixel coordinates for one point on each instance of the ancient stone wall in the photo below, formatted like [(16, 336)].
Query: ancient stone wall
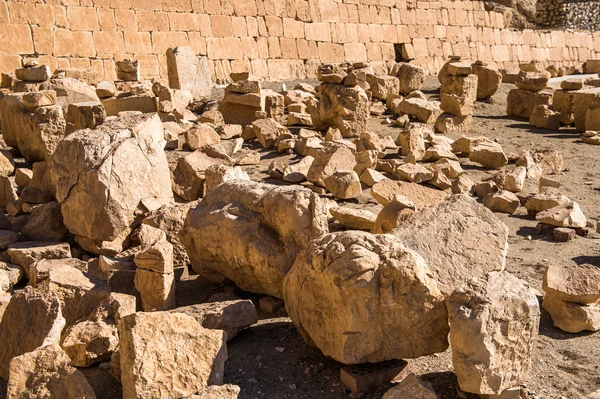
[(273, 39), (569, 14)]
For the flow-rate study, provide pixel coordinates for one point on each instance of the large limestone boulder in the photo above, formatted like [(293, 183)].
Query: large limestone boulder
[(103, 177), (31, 320), (333, 158), (410, 76), (574, 283), (521, 102), (488, 80), (251, 232), (372, 286), (342, 107), (168, 355), (458, 238), (494, 321), (47, 373)]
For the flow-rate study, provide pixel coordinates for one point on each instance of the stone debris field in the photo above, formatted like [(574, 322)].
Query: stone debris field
[(372, 232)]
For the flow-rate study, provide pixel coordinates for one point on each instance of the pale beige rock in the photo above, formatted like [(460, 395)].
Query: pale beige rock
[(40, 270), (38, 99), (86, 115), (27, 253), (226, 391), (157, 290), (79, 292), (230, 316), (410, 76), (371, 176), (411, 387), (423, 110), (545, 118), (251, 232), (168, 355), (502, 201), (45, 223), (489, 155), (413, 173), (494, 321), (47, 373), (190, 174), (521, 103), (219, 174), (341, 107), (96, 185), (569, 215), (354, 219), (13, 272), (488, 80), (105, 89), (333, 158), (383, 85), (344, 184), (355, 262), (448, 123), (393, 214), (422, 196), (532, 81), (267, 131), (187, 71), (515, 180), (43, 310), (544, 201), (412, 142), (572, 317), (459, 239), (200, 136), (297, 172), (574, 283)]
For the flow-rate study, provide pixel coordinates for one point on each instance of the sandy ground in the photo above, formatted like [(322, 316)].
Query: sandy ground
[(564, 365)]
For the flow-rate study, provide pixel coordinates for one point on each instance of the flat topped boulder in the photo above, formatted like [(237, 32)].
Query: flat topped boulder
[(361, 297), (251, 232), (574, 283), (102, 176), (458, 238), (187, 71), (32, 319)]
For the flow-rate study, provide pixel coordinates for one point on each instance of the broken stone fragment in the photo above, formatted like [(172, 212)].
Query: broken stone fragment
[(344, 184), (27, 253), (355, 262), (329, 160), (251, 232), (42, 310), (422, 196), (219, 174), (572, 317), (502, 201), (544, 117), (532, 81), (128, 70), (39, 73), (563, 216), (38, 99), (48, 372), (168, 355), (411, 387), (230, 316), (458, 238), (413, 173), (187, 71), (489, 155), (544, 201), (494, 322), (341, 107), (410, 76), (573, 283), (106, 89), (354, 219), (423, 110), (520, 103), (96, 185), (393, 214)]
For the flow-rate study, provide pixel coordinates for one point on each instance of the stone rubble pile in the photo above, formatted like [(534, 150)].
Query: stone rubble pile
[(112, 190)]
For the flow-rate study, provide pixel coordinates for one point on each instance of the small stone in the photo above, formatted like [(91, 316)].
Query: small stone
[(564, 234)]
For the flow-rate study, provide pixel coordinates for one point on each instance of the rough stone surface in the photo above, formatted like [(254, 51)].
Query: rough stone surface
[(458, 238), (251, 232), (37, 308), (187, 71), (47, 373), (352, 282), (96, 185), (494, 321), (341, 107), (168, 355)]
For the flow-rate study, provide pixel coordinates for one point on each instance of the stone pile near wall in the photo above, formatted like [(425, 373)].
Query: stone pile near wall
[(273, 39), (569, 14)]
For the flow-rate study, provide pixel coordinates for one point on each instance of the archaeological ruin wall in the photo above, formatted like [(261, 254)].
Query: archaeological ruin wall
[(274, 39)]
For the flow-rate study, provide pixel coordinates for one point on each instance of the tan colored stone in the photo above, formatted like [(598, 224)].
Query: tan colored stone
[(187, 71), (96, 185), (393, 214), (168, 355), (341, 107), (355, 262), (344, 184), (251, 232), (423, 110), (200, 136), (502, 201), (422, 196), (411, 387), (413, 173), (231, 316), (544, 201), (27, 253), (545, 118), (494, 322), (410, 77), (267, 131), (459, 239), (412, 142), (39, 73), (38, 99), (43, 310), (47, 373), (563, 216), (572, 317), (354, 219), (383, 85), (521, 103), (157, 290), (190, 174), (575, 283), (532, 81), (488, 80), (333, 158), (489, 155)]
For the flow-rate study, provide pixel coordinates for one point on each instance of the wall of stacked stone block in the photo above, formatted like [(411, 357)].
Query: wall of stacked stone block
[(273, 39), (569, 14)]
